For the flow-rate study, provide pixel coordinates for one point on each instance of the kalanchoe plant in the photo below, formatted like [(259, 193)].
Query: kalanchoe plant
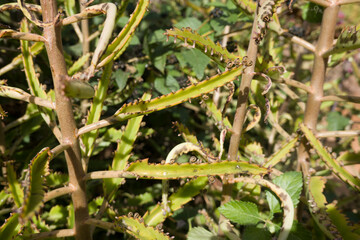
[(119, 133)]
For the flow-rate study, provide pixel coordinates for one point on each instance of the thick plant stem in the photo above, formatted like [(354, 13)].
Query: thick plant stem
[(240, 115), (66, 119), (241, 108), (85, 32), (312, 109)]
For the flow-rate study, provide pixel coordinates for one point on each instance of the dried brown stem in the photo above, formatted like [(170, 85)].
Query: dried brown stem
[(59, 149), (343, 2), (341, 98), (241, 108), (294, 83), (19, 94), (85, 32), (61, 233), (97, 125), (350, 133), (57, 193), (66, 119), (299, 41), (312, 110), (9, 33), (240, 113), (108, 174), (101, 224)]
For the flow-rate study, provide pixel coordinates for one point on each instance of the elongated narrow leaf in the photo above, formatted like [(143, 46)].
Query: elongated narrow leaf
[(34, 191), (171, 171), (330, 162), (10, 228), (282, 153), (78, 64), (182, 95), (138, 108), (14, 186), (89, 138), (341, 222), (317, 205), (215, 51), (119, 44), (123, 151), (33, 81)]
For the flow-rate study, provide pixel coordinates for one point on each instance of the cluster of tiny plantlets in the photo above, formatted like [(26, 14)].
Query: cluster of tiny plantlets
[(273, 150)]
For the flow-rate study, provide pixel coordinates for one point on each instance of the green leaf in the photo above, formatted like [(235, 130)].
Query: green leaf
[(213, 50), (341, 222), (78, 89), (191, 22), (201, 233), (14, 186), (254, 233), (158, 56), (281, 153), (56, 179), (95, 204), (78, 64), (341, 172), (317, 206), (58, 214), (187, 170), (299, 232), (176, 200), (182, 95), (10, 228), (70, 7), (312, 12), (349, 39), (96, 109), (165, 86), (3, 197), (292, 183), (141, 199), (336, 121), (123, 151), (120, 43), (133, 226), (157, 37), (349, 158), (197, 60), (244, 213), (71, 216), (247, 6), (34, 192), (121, 78)]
